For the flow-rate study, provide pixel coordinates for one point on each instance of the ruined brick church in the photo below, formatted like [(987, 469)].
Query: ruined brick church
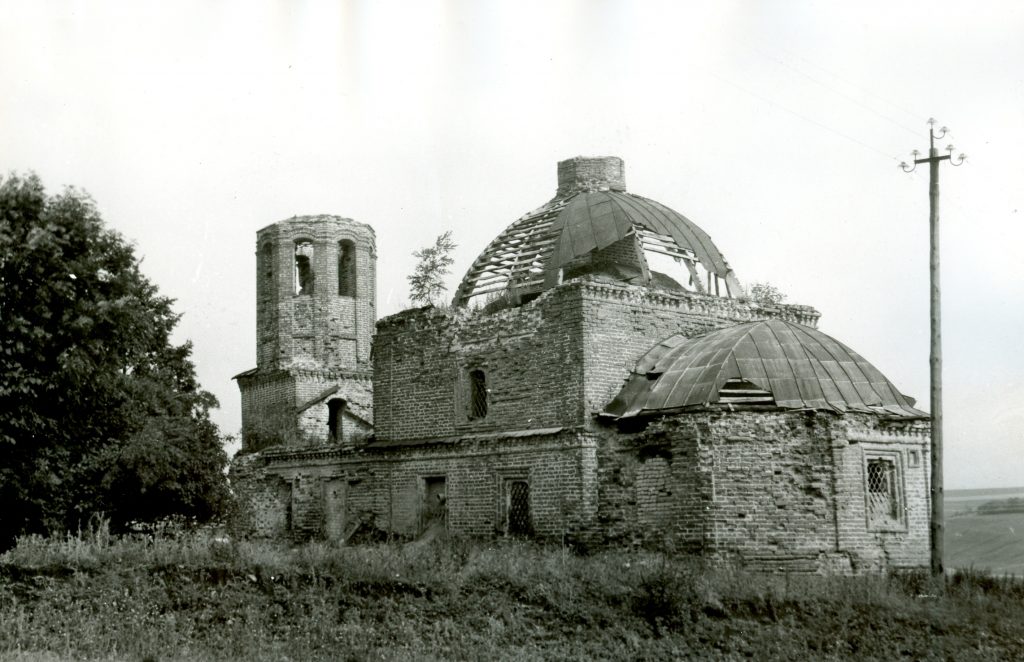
[(600, 378)]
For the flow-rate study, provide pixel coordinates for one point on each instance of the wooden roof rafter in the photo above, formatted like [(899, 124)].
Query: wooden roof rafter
[(529, 255), (515, 256)]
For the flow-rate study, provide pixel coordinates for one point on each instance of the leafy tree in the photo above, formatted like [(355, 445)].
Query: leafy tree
[(426, 283), (99, 411), (766, 293)]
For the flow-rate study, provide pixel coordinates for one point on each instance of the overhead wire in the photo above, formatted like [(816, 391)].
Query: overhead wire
[(899, 107), (916, 132), (805, 117)]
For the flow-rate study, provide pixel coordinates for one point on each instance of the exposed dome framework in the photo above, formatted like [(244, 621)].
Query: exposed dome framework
[(592, 212), (773, 362)]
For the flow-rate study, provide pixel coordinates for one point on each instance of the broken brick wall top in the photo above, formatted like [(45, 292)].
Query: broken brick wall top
[(316, 293), (590, 173), (552, 362)]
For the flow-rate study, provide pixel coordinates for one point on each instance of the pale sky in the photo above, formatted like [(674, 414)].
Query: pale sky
[(775, 126)]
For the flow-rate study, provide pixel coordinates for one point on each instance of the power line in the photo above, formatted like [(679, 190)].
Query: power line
[(804, 117), (911, 113), (840, 93)]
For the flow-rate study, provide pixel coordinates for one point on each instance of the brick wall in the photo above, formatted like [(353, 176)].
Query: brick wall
[(268, 407), (329, 492), (590, 174), (906, 542), (531, 357), (263, 499), (776, 490), (554, 361)]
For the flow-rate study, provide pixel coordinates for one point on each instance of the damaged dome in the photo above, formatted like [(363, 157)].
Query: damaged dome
[(593, 226), (767, 363)]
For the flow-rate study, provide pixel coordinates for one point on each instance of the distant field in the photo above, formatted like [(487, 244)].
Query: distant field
[(961, 500), (993, 542)]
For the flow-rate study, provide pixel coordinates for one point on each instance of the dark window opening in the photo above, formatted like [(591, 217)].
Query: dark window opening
[(304, 267), (284, 492), (883, 496), (477, 395), (346, 268), (517, 508), (742, 392), (335, 415)]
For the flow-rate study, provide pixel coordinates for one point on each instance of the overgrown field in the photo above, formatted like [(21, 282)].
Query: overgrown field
[(97, 597), (991, 541)]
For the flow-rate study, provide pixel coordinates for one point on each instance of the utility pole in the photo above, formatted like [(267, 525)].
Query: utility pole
[(938, 526)]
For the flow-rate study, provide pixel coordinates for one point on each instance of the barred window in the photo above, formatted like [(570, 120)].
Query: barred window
[(517, 508), (883, 493), (477, 395)]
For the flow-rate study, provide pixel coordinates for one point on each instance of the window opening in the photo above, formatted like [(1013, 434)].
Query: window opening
[(883, 497), (742, 392), (285, 493), (346, 268), (477, 395), (304, 267), (335, 411), (517, 508)]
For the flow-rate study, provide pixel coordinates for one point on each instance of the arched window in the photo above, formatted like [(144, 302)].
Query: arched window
[(304, 267), (346, 268), (477, 394), (335, 411)]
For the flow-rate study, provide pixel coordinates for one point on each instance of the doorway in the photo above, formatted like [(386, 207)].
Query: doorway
[(434, 511)]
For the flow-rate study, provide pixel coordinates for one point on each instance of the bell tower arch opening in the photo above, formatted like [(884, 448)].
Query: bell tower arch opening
[(304, 274), (347, 268)]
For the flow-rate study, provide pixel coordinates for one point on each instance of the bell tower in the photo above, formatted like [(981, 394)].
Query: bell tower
[(315, 313)]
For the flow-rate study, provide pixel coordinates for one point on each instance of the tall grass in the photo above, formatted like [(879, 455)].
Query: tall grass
[(93, 595)]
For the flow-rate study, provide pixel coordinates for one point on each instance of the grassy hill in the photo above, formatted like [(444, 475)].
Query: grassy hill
[(96, 597)]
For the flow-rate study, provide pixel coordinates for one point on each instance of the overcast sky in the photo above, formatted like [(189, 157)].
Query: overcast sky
[(775, 126)]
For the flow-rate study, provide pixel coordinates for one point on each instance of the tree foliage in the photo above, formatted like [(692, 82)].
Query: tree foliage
[(765, 293), (426, 283), (101, 412)]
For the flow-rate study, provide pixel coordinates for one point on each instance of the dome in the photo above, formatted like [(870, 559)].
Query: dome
[(768, 363), (591, 224)]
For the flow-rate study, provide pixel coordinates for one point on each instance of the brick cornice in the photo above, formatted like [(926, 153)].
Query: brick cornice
[(702, 304), (326, 374)]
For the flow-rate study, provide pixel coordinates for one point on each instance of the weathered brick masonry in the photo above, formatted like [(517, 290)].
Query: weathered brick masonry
[(315, 313), (772, 489), (551, 362), (329, 493), (495, 421)]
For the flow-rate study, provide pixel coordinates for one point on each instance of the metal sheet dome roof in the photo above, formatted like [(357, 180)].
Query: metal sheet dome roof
[(591, 212), (770, 362)]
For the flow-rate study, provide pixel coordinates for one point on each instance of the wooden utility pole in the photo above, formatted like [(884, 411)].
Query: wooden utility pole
[(937, 527)]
